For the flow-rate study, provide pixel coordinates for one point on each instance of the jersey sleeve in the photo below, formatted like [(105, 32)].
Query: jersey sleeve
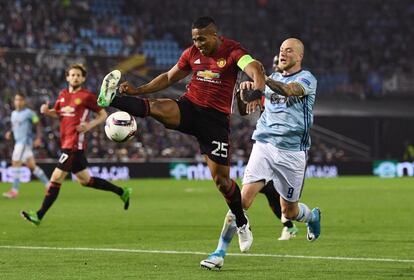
[(238, 54), (33, 117), (57, 104), (92, 104), (308, 83), (184, 60)]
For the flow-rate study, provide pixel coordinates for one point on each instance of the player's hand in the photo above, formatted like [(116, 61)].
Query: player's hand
[(253, 105), (44, 109), (248, 93), (127, 88), (246, 85), (37, 142), (83, 127), (8, 135)]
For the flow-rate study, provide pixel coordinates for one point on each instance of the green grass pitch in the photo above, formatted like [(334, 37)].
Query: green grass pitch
[(366, 219)]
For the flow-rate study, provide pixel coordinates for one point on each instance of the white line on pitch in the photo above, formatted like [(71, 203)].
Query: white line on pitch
[(202, 253)]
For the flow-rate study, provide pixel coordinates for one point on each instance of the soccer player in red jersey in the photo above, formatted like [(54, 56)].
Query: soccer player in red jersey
[(72, 108), (204, 110)]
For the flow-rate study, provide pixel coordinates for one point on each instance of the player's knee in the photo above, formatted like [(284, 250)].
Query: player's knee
[(83, 182), (247, 199)]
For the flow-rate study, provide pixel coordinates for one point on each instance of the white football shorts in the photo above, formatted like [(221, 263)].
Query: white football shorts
[(22, 152), (286, 169)]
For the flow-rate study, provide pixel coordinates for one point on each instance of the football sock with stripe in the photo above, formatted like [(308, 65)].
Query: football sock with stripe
[(51, 195), (273, 198), (138, 107), (233, 199), (305, 215), (101, 184), (40, 174), (227, 232), (16, 171)]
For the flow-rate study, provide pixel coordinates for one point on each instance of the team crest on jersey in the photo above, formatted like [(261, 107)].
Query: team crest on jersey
[(221, 62), (78, 101)]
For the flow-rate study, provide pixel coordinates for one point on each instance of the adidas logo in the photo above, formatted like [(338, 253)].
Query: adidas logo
[(197, 61)]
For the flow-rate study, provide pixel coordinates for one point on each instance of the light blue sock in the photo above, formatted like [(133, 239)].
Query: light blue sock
[(38, 172), (16, 178), (305, 215), (228, 231)]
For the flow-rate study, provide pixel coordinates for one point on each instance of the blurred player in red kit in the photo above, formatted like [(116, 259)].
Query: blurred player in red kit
[(72, 108)]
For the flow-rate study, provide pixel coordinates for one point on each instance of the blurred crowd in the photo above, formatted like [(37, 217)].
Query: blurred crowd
[(355, 48)]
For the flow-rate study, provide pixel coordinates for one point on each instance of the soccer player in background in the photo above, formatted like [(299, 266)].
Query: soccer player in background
[(22, 121), (204, 110), (282, 141), (72, 108)]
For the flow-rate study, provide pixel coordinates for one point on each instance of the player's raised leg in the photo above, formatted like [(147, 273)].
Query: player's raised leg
[(97, 183)]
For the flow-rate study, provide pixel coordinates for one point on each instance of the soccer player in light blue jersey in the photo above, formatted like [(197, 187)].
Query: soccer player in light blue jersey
[(282, 141), (23, 119)]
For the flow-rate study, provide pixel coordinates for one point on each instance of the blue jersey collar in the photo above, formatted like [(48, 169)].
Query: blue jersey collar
[(293, 73)]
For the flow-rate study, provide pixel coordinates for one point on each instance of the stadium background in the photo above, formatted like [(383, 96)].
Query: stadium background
[(360, 52)]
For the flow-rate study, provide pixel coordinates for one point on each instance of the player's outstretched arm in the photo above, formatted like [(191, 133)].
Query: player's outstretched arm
[(158, 83), (255, 71), (100, 118), (290, 89), (38, 139)]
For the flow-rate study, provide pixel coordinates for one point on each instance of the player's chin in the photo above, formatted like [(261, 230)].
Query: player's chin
[(204, 52)]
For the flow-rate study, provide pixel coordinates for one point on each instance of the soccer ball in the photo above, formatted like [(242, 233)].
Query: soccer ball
[(120, 127)]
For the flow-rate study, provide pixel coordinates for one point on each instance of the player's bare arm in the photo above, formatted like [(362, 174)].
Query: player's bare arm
[(158, 83), (86, 126), (45, 110), (290, 89), (38, 139), (8, 135), (255, 71), (241, 106)]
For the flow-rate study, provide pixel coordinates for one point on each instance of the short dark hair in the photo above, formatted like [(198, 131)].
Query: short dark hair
[(78, 66), (21, 94), (202, 22)]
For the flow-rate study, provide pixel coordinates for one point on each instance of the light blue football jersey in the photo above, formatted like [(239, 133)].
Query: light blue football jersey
[(22, 125), (286, 121)]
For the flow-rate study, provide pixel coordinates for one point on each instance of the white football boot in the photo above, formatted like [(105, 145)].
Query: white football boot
[(108, 88), (213, 261), (245, 237)]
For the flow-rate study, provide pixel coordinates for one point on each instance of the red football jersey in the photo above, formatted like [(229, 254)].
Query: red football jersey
[(73, 108), (214, 76)]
